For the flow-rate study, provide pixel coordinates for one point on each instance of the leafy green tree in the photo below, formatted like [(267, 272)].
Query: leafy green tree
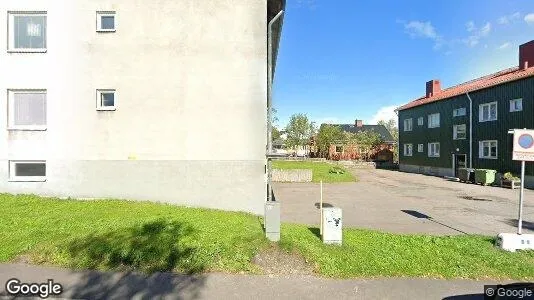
[(365, 140), (299, 130), (393, 129), (327, 136), (274, 117), (276, 133)]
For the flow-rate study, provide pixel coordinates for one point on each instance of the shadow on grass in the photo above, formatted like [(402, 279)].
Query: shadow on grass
[(156, 246), (315, 231)]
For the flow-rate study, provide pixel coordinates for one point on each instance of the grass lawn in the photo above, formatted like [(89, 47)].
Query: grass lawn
[(114, 235), (367, 253), (320, 170), (148, 237)]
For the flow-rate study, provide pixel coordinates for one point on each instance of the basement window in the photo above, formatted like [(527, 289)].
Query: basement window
[(516, 105), (433, 149), (459, 132), (487, 112), (408, 149), (488, 149), (28, 171), (106, 21), (339, 149)]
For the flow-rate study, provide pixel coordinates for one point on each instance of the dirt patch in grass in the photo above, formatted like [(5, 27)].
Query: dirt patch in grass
[(23, 259), (276, 261)]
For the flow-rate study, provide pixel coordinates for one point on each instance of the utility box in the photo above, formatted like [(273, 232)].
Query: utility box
[(332, 225), (513, 241), (272, 220)]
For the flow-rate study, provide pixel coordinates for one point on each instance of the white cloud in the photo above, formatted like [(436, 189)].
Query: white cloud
[(476, 33), (509, 18), (421, 29), (529, 18), (470, 26), (484, 31), (504, 46), (385, 113)]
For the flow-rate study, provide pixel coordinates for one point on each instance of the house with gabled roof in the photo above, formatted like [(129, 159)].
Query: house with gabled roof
[(467, 125), (349, 151)]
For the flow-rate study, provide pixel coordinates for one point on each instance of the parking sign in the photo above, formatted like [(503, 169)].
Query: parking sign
[(523, 145)]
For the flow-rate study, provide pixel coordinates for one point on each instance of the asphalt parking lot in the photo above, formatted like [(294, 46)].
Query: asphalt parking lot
[(409, 203)]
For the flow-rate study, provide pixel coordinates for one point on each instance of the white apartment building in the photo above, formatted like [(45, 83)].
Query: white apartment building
[(143, 100)]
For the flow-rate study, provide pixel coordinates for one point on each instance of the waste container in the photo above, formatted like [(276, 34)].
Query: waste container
[(485, 176), (466, 175)]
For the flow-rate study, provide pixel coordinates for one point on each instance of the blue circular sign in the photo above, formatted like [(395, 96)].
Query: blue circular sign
[(526, 141)]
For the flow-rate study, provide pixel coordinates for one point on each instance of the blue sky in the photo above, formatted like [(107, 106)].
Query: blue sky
[(349, 59)]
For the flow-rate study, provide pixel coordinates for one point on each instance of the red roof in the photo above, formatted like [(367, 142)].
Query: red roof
[(500, 77)]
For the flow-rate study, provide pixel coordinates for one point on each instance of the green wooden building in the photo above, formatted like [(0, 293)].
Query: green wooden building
[(467, 125)]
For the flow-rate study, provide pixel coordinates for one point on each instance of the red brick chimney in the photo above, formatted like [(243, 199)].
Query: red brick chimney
[(358, 123), (433, 87), (526, 55)]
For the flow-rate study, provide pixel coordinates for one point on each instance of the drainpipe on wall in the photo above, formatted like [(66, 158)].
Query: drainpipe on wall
[(470, 130), (269, 102)]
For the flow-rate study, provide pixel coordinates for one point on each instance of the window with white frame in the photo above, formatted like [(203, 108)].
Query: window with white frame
[(106, 100), (516, 105), (408, 125), (433, 120), (420, 148), (420, 121), (27, 31), (27, 109), (487, 112), (458, 112), (433, 149), (488, 149), (32, 170), (106, 21), (408, 149), (459, 132)]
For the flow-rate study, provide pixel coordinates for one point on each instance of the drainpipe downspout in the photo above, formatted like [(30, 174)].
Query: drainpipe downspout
[(269, 102), (470, 130)]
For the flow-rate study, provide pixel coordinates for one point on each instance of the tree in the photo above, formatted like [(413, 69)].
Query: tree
[(391, 126), (274, 118), (276, 134), (327, 136), (299, 131), (365, 140)]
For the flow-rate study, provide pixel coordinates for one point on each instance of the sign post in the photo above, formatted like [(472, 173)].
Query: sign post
[(321, 209), (523, 151)]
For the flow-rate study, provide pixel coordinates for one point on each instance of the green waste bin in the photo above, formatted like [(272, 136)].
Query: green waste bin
[(466, 175), (485, 176)]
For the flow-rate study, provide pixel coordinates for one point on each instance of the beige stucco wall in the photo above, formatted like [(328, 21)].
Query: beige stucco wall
[(191, 88)]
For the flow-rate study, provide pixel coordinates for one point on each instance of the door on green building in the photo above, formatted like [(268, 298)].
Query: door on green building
[(460, 161)]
